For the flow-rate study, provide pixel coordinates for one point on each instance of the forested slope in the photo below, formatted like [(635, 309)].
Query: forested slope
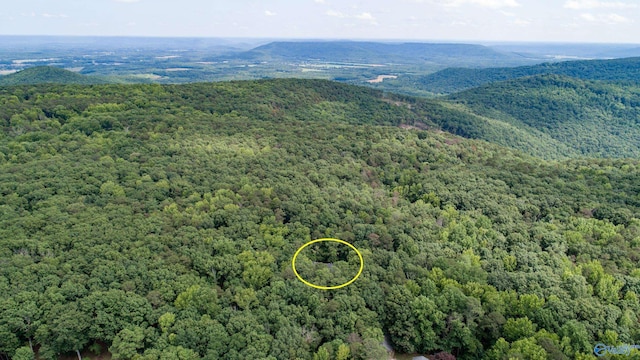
[(594, 119), (161, 221), (452, 80)]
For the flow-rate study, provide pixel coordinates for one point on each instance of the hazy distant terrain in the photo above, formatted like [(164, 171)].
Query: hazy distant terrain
[(177, 60)]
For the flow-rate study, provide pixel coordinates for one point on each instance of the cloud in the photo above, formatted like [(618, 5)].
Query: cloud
[(493, 4), (334, 13), (605, 18), (521, 22), (588, 17), (320, 1), (365, 16), (269, 13), (46, 15), (596, 4)]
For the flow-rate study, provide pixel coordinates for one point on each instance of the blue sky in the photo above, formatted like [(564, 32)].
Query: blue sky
[(478, 20)]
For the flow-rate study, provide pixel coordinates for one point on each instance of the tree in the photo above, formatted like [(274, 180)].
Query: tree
[(127, 343), (24, 353), (67, 329), (371, 350), (322, 354), (257, 268), (203, 300), (515, 329), (343, 352), (527, 349)]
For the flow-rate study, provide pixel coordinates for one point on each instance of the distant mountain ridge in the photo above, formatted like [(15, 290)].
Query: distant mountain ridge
[(452, 80), (49, 74), (381, 53)]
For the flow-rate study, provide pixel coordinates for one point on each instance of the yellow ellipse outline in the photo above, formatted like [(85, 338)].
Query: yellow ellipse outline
[(293, 264)]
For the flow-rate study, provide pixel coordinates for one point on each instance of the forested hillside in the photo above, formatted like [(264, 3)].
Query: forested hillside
[(48, 74), (452, 80), (159, 222), (594, 119)]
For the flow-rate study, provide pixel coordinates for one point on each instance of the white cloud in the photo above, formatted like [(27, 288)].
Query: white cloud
[(365, 16), (588, 17), (269, 13), (506, 13), (596, 4), (605, 18), (493, 4), (320, 1), (334, 13), (46, 15), (521, 22)]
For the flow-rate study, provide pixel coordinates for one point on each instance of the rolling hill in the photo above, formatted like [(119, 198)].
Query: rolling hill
[(575, 117), (452, 80), (47, 75)]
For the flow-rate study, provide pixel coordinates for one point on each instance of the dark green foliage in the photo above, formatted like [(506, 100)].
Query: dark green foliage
[(161, 221), (452, 80)]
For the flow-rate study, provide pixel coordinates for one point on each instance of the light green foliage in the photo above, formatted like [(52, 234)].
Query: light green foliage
[(527, 349), (245, 297), (257, 267), (343, 352), (127, 343), (515, 329), (166, 321), (23, 353), (109, 188), (322, 354), (202, 299)]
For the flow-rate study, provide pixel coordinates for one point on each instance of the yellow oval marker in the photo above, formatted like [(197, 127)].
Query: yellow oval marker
[(293, 264)]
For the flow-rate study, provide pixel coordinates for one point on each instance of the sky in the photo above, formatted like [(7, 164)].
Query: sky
[(593, 21)]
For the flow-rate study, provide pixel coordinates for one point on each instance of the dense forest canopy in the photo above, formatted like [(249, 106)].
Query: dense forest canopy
[(549, 116), (159, 222)]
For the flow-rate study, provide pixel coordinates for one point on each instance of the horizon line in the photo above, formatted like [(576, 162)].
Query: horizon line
[(468, 41)]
